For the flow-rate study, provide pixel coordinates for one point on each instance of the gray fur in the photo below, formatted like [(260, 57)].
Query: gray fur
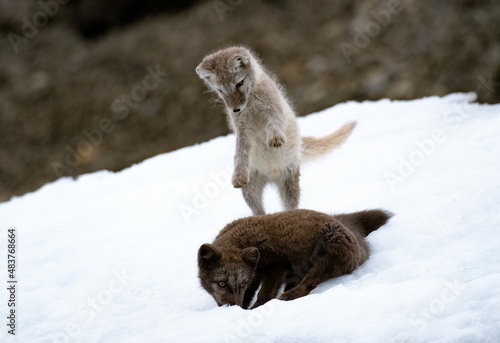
[(269, 148)]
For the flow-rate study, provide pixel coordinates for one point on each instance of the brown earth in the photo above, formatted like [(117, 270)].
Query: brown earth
[(69, 105)]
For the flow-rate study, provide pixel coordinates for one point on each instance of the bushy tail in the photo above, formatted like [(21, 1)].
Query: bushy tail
[(315, 147), (365, 221)]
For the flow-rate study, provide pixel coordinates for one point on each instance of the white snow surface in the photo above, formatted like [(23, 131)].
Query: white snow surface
[(111, 257)]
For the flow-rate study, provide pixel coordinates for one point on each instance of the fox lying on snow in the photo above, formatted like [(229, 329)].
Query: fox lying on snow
[(300, 248), (269, 148)]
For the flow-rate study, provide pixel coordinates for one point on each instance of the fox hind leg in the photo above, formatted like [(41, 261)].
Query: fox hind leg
[(335, 255), (289, 188), (315, 270), (312, 279), (252, 192)]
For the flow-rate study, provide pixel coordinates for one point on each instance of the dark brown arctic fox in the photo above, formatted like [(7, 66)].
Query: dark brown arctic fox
[(300, 248)]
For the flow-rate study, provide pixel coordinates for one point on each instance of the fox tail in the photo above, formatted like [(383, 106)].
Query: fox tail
[(316, 147), (365, 221)]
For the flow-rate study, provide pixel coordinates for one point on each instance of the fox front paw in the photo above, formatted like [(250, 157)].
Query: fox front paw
[(240, 178), (276, 141)]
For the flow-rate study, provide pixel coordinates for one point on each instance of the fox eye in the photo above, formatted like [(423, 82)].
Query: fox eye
[(222, 284), (239, 84)]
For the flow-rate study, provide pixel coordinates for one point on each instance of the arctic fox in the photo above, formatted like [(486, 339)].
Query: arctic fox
[(298, 248), (269, 148)]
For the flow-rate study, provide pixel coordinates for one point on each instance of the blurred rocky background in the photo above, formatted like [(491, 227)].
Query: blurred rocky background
[(101, 84)]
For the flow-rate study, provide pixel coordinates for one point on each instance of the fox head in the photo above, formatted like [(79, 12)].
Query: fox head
[(229, 72), (226, 274)]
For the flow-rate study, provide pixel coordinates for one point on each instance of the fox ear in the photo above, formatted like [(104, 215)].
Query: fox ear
[(240, 62), (208, 254), (203, 73), (250, 256)]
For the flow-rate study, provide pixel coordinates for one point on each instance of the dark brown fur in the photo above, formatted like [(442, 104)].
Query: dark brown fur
[(300, 248)]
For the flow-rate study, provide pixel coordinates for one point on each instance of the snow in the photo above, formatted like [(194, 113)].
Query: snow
[(111, 257)]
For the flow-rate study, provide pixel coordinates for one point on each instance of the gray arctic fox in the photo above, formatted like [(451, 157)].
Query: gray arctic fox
[(269, 148)]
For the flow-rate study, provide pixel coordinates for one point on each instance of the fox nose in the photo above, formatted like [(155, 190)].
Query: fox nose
[(236, 110)]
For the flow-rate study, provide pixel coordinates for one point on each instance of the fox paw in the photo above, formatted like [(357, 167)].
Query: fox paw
[(288, 296), (276, 141), (294, 293), (240, 179)]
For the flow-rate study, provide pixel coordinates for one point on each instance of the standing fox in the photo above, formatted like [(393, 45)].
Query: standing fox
[(269, 148), (300, 248)]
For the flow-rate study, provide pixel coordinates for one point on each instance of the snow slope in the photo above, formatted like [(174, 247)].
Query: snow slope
[(111, 257)]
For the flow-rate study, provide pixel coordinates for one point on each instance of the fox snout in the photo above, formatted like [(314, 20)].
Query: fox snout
[(235, 107), (235, 102), (235, 298), (238, 299)]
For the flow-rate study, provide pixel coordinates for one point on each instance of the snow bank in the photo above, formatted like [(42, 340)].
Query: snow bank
[(111, 257)]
